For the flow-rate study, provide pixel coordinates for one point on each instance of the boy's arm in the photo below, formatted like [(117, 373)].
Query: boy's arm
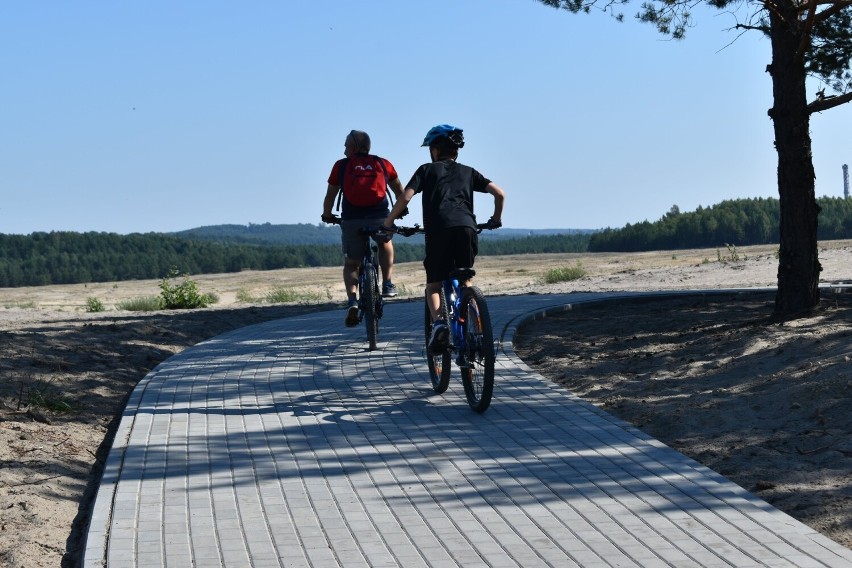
[(403, 199), (396, 187), (499, 198)]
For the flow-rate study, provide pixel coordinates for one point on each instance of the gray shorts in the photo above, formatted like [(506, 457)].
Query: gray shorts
[(353, 243)]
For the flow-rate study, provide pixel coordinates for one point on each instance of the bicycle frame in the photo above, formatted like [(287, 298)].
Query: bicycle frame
[(369, 258), (453, 295)]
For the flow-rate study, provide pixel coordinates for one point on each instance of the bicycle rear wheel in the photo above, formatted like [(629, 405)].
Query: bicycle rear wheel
[(369, 297), (439, 363), (477, 361)]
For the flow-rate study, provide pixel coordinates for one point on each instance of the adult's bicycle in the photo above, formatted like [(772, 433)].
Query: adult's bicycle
[(370, 301)]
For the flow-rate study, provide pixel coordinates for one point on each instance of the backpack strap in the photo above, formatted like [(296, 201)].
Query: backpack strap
[(340, 175)]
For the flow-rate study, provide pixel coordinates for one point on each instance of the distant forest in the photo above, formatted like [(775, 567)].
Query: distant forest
[(737, 222), (75, 258)]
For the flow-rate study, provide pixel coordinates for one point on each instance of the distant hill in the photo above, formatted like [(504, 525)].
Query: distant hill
[(265, 234), (308, 234), (506, 233)]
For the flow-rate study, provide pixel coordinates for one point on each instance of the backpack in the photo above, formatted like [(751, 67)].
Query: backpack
[(360, 181)]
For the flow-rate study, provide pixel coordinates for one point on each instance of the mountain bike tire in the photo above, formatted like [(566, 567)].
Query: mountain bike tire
[(479, 355), (370, 295), (439, 363)]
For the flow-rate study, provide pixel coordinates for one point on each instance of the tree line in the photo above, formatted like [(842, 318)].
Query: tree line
[(64, 257), (76, 258), (737, 222)]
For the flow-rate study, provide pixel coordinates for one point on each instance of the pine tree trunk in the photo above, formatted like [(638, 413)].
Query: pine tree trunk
[(798, 266)]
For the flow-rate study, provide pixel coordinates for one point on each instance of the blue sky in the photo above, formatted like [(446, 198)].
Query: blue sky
[(168, 115)]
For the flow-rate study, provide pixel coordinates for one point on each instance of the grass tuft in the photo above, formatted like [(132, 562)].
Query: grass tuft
[(43, 395), (564, 274), (140, 304)]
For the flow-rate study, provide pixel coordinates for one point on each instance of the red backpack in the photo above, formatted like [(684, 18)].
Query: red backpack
[(361, 181)]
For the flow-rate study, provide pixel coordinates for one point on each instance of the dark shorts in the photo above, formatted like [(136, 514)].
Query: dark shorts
[(447, 250), (353, 242)]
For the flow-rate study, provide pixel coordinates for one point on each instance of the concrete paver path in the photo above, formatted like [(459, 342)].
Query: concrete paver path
[(289, 444)]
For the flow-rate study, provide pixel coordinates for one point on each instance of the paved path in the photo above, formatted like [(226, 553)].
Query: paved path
[(288, 444)]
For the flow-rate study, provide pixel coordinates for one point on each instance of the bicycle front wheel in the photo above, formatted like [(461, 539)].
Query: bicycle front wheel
[(477, 361), (439, 363), (369, 297)]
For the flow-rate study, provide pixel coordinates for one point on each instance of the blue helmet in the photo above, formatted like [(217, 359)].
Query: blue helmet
[(452, 133)]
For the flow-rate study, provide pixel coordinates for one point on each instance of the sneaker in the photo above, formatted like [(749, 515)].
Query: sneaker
[(389, 290), (352, 314), (440, 336)]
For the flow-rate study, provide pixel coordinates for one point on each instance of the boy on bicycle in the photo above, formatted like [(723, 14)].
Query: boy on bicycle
[(448, 220), (365, 203)]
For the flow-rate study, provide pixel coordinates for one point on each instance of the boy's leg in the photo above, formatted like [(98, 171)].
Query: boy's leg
[(440, 336), (433, 299), (438, 265)]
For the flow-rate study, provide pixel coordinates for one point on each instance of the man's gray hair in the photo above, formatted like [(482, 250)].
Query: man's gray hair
[(360, 140)]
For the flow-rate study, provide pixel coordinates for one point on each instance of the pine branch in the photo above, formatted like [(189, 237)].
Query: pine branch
[(829, 102), (806, 32), (833, 9)]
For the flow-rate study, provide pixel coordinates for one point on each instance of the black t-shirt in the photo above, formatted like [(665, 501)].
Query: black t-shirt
[(447, 189)]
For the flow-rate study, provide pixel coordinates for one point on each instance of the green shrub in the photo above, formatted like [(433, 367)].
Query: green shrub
[(141, 304), (94, 305), (733, 255), (182, 296), (564, 274)]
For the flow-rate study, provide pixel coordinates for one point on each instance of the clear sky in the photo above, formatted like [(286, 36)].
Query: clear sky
[(168, 115)]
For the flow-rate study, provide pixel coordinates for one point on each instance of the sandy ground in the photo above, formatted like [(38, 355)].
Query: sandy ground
[(761, 402)]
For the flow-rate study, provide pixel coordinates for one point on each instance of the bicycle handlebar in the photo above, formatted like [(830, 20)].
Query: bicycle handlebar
[(406, 231), (490, 225)]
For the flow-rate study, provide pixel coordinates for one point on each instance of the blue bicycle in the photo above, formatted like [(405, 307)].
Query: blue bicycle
[(471, 339)]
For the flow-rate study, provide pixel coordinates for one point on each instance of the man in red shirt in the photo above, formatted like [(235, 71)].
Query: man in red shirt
[(353, 216)]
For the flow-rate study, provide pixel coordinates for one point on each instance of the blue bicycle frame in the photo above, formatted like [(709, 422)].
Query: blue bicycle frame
[(453, 295)]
